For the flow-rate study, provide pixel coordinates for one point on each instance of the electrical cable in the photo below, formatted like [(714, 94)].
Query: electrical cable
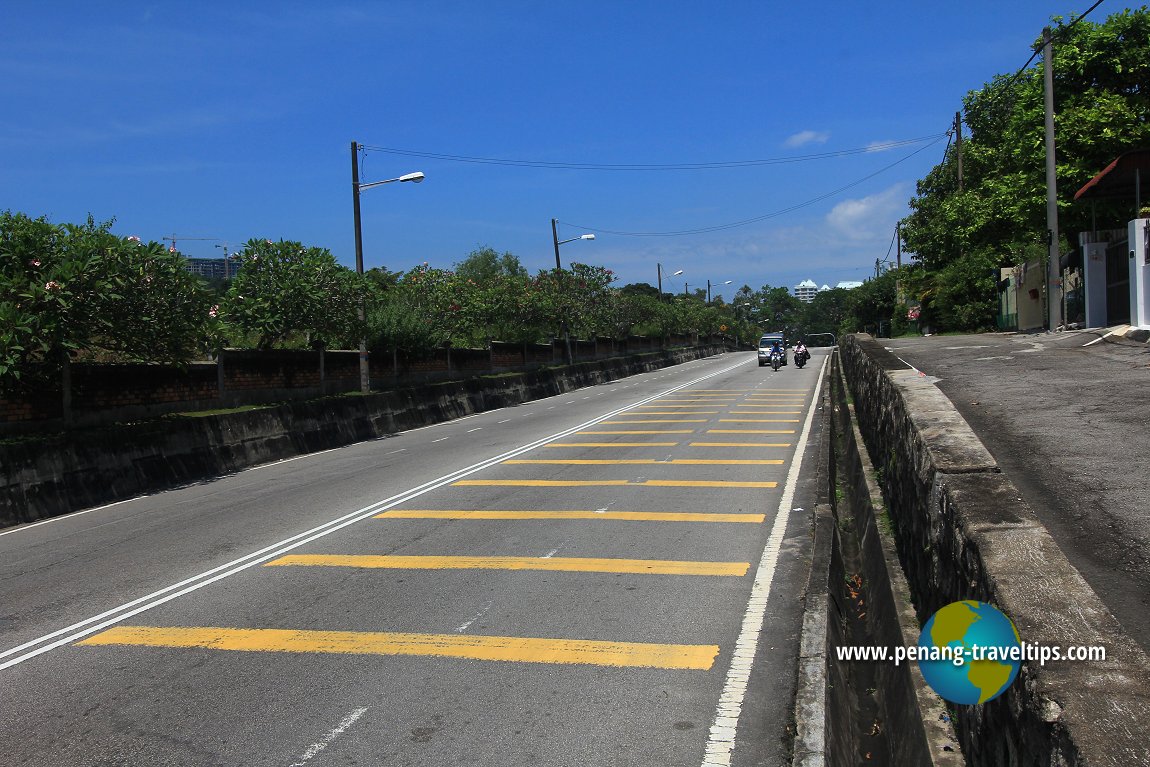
[(650, 167), (756, 219), (1061, 33)]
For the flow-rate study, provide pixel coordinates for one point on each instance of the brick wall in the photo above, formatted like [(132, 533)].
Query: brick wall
[(110, 392)]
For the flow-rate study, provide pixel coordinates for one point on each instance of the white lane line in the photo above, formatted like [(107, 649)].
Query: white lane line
[(480, 614), (505, 420), (81, 629), (721, 741), (439, 440), (401, 450), (436, 425), (340, 729), (478, 428)]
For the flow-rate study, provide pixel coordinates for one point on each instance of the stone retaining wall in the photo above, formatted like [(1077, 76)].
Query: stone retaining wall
[(85, 468), (964, 532)]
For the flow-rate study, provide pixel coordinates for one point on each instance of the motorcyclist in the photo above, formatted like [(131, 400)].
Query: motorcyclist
[(777, 348), (801, 352)]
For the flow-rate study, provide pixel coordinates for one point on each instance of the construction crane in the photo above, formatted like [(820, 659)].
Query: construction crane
[(174, 237)]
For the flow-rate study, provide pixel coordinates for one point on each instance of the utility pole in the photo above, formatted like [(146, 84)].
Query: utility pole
[(898, 297), (555, 239), (1053, 291), (898, 249), (958, 146), (364, 364)]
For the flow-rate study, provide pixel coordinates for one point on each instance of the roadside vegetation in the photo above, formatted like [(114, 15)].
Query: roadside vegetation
[(962, 231), (78, 292), (73, 292)]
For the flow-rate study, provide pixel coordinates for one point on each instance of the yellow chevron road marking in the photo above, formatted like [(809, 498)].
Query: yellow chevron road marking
[(705, 483), (612, 444), (660, 420), (758, 420), (620, 516), (556, 564), (540, 483), (605, 483), (632, 431), (750, 431), (646, 461), (739, 444), (493, 648), (671, 412)]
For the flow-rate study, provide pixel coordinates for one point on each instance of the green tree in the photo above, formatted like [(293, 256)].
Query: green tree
[(487, 265), (67, 290), (827, 312), (1102, 106), (288, 295)]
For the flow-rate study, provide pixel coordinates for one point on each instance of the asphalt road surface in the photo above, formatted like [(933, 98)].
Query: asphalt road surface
[(608, 577), (1065, 417)]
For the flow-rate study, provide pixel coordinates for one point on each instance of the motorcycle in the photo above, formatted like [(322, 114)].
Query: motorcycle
[(801, 356), (776, 359)]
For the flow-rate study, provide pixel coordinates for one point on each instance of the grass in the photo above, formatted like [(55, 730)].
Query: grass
[(219, 411)]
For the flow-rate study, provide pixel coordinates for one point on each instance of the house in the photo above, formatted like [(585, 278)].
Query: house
[(1115, 263)]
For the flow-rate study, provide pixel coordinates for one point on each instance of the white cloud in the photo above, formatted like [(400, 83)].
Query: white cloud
[(868, 217), (802, 138)]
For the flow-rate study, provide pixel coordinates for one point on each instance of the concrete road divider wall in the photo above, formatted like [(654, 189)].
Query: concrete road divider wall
[(963, 532), (62, 473)]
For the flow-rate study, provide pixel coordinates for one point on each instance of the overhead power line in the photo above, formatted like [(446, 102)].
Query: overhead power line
[(1057, 38), (879, 147), (765, 216)]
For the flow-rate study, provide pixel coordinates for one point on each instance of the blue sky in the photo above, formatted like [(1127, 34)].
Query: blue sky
[(234, 120)]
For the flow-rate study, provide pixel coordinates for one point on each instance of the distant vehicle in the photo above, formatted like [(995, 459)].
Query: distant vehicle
[(765, 344)]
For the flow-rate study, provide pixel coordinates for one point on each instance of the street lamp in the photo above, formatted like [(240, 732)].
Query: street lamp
[(558, 242), (356, 188), (727, 282), (559, 265), (659, 272)]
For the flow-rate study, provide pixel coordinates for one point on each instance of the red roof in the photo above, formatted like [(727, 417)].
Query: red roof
[(1118, 179)]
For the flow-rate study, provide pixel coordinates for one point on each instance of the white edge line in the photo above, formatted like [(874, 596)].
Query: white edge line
[(721, 740), (130, 609)]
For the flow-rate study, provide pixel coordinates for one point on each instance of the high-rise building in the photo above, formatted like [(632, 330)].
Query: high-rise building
[(806, 291), (213, 268)]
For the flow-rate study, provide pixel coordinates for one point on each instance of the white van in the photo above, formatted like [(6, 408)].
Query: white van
[(765, 344)]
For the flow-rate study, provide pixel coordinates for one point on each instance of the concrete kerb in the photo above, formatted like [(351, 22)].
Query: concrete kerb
[(964, 532)]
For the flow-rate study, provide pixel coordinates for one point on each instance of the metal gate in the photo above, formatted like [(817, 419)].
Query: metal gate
[(1117, 284)]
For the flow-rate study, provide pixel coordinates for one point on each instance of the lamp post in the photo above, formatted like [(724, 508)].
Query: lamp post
[(356, 188), (558, 242), (659, 273), (558, 266), (727, 282)]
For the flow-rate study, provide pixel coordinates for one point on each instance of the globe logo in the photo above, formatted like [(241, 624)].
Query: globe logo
[(969, 652)]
